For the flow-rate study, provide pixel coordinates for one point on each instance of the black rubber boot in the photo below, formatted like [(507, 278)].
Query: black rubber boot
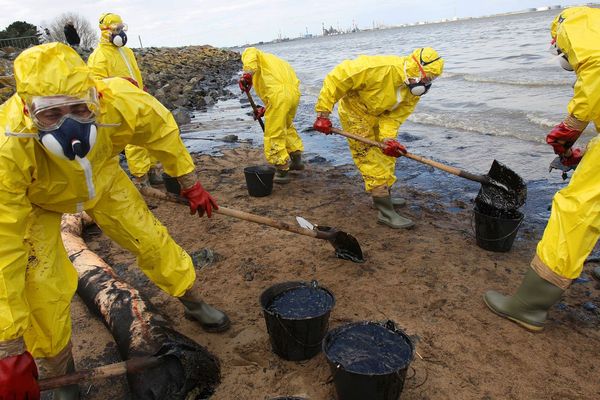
[(296, 163), (211, 319), (389, 216), (529, 305), (281, 177), (155, 176)]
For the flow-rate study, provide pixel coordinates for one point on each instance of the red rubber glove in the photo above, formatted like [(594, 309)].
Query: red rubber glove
[(573, 159), (18, 378), (246, 82), (200, 200), (259, 113), (323, 125), (393, 148), (561, 138), (127, 78)]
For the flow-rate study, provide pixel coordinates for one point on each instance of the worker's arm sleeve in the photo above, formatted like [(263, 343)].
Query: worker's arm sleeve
[(137, 71), (14, 210), (389, 124), (585, 104), (345, 77), (98, 64), (156, 130)]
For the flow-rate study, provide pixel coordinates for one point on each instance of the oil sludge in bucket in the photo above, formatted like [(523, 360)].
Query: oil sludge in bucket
[(259, 180), (495, 230), (368, 360), (297, 318)]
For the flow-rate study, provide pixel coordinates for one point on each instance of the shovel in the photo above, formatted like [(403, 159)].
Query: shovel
[(106, 371), (345, 245), (226, 139), (501, 187), (253, 104)]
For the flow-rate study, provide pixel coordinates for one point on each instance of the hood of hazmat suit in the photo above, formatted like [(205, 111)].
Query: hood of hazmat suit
[(577, 34)]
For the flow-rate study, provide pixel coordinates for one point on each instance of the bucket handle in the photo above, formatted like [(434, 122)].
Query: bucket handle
[(300, 342), (498, 239), (261, 181)]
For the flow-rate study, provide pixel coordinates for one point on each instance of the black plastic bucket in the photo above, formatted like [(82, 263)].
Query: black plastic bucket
[(259, 180), (368, 360), (297, 318), (496, 232), (171, 184)]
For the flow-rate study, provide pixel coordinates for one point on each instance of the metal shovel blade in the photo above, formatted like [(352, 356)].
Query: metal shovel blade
[(505, 190), (346, 246)]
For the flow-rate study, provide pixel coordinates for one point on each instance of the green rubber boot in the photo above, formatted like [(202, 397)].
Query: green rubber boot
[(296, 163), (596, 273), (396, 202), (281, 177), (211, 319), (68, 392), (389, 216), (58, 365), (529, 306)]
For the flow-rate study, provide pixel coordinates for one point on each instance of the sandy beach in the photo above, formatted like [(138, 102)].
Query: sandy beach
[(429, 280)]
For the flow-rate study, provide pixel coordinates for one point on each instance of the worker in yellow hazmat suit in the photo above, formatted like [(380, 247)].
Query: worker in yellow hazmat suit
[(276, 84), (113, 59), (376, 94), (574, 225), (60, 136)]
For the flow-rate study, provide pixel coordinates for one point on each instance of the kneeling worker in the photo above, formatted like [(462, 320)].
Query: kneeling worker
[(61, 135)]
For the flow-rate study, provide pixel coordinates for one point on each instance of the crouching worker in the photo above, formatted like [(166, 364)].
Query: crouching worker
[(376, 94), (60, 137), (276, 83)]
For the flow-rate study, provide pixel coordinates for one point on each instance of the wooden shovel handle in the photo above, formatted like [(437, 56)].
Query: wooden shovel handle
[(246, 216), (253, 104), (103, 372), (435, 164)]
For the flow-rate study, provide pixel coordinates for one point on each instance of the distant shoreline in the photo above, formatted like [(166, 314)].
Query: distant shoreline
[(418, 23)]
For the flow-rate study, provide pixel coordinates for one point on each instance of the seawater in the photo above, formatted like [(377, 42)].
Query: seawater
[(500, 94)]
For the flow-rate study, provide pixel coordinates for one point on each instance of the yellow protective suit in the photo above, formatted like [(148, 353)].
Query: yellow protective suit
[(373, 102), (574, 225), (37, 280), (276, 84), (107, 61)]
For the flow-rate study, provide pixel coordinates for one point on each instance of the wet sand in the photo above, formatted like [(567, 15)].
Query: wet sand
[(430, 280)]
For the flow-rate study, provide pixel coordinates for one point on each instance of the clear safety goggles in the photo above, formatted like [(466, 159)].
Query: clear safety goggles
[(49, 112), (116, 28)]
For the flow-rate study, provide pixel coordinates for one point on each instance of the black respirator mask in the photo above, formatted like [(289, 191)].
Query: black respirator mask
[(563, 60), (419, 88), (119, 39), (72, 138), (66, 125)]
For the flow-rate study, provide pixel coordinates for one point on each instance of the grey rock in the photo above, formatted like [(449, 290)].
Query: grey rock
[(182, 116)]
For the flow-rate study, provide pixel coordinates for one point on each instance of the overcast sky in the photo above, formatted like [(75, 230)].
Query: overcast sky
[(235, 22)]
